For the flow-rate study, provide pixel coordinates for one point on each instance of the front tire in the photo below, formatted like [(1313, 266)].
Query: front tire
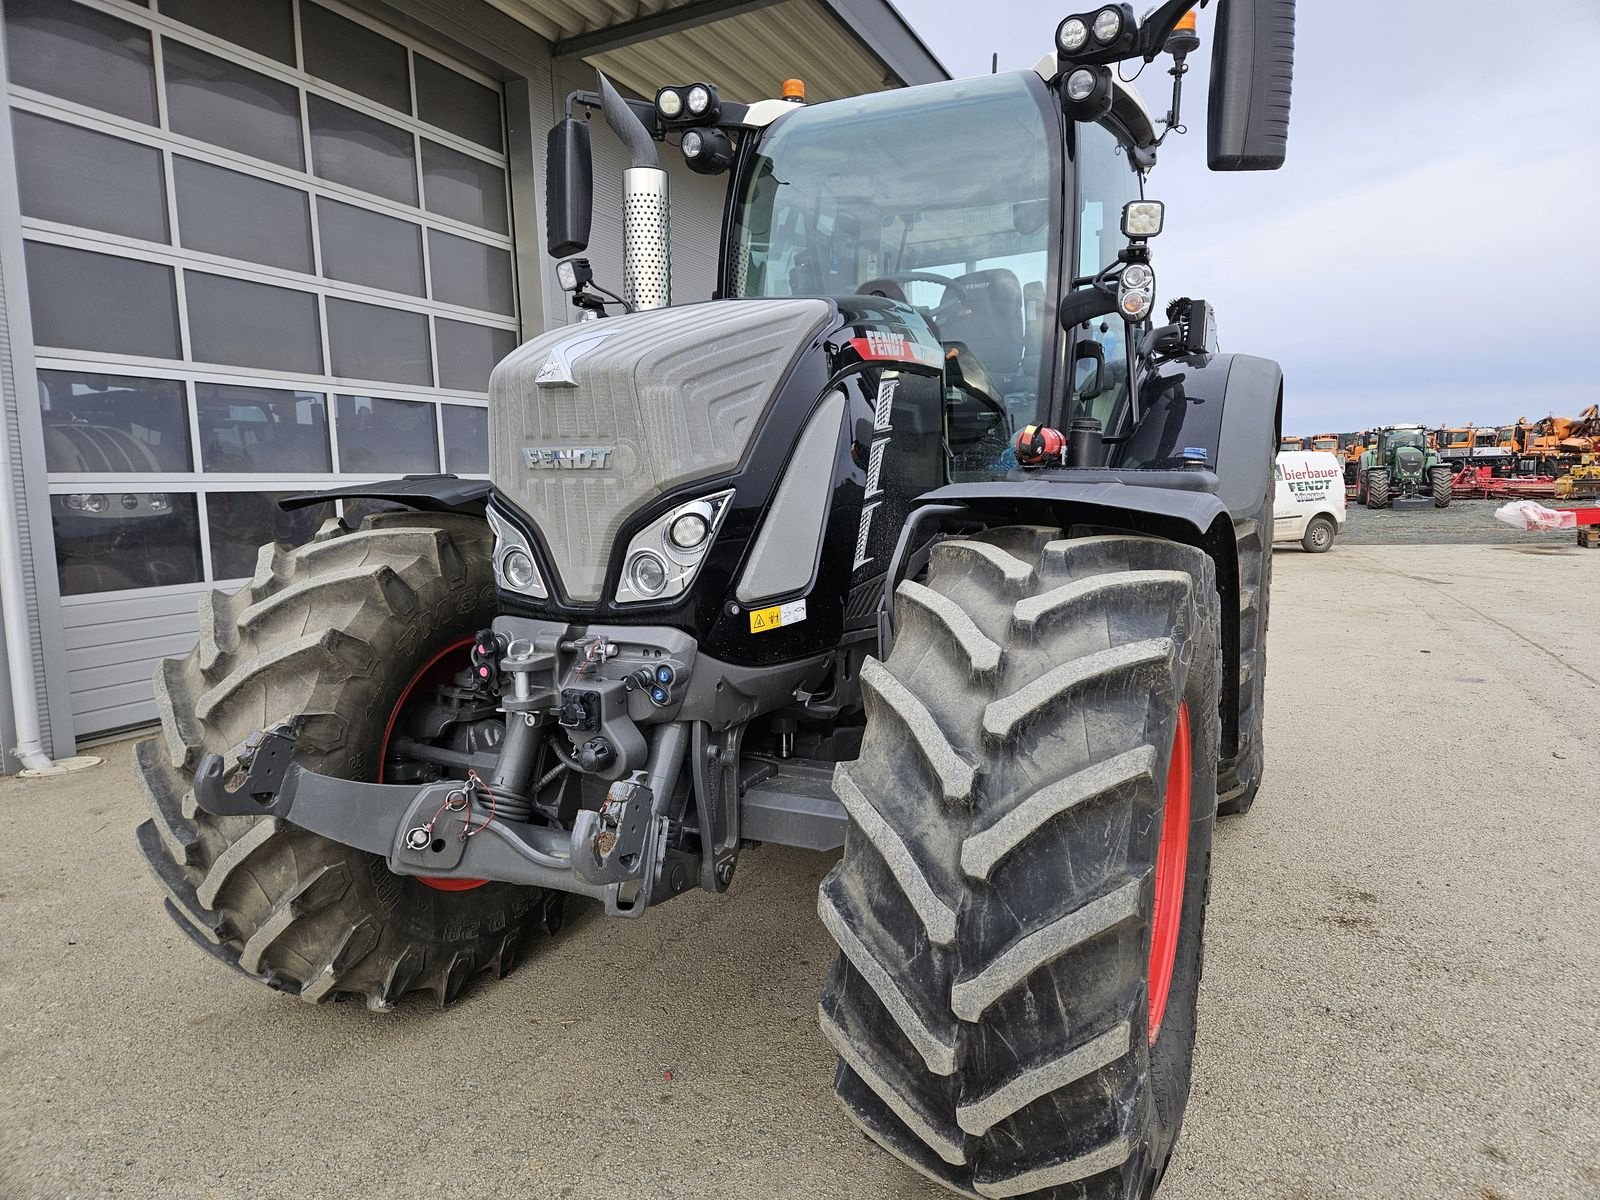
[(327, 638), (1378, 487), (995, 906), (1318, 536), (1443, 487)]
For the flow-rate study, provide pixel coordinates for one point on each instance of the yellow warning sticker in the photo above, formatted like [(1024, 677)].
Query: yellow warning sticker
[(763, 620)]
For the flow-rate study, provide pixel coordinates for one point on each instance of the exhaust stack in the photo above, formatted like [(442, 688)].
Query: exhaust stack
[(646, 209)]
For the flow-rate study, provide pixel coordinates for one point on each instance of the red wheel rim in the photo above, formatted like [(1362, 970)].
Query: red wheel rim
[(1172, 859), (435, 671)]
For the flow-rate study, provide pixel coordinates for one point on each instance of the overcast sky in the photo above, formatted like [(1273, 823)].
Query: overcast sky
[(1432, 248)]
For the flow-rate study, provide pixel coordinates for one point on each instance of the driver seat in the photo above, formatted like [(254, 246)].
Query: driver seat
[(992, 323)]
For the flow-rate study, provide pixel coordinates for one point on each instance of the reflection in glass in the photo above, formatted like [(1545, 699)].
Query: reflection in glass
[(240, 523), (386, 437), (108, 540), (81, 55), (239, 216), (228, 105), (362, 152), (367, 341), (468, 353), (361, 246), (465, 188), (261, 429), (265, 26), (466, 439), (96, 423), (355, 57), (252, 324), (469, 273), (79, 177), (451, 101), (87, 301)]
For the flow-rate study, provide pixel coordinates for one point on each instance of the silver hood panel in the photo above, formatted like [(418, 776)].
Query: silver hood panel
[(640, 404)]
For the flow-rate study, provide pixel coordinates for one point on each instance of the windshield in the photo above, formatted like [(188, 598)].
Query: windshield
[(941, 196)]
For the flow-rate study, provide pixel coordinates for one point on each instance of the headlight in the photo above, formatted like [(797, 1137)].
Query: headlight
[(1137, 276), (699, 100), (96, 504), (518, 569), (129, 500), (669, 102), (514, 566), (647, 573), (1080, 84), (692, 143), (690, 530), (664, 557), (1143, 218), (1107, 25), (1072, 35), (708, 151)]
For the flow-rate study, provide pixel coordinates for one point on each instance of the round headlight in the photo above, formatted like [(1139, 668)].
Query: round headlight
[(689, 531), (1072, 35), (157, 501), (75, 503), (699, 100), (129, 500), (1135, 305), (1107, 25), (693, 143), (647, 573), (96, 503), (1080, 85), (1137, 276), (518, 570), (669, 102)]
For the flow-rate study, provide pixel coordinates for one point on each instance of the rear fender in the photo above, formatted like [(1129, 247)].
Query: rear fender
[(1181, 506)]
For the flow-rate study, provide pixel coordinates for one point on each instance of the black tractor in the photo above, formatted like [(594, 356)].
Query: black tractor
[(932, 539)]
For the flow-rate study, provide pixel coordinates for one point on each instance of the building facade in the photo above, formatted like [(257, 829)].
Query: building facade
[(251, 248)]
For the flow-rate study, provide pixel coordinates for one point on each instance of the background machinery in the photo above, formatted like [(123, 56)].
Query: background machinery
[(1403, 465), (934, 538)]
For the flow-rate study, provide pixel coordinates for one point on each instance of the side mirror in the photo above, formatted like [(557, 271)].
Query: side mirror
[(569, 188), (1088, 384), (1252, 73)]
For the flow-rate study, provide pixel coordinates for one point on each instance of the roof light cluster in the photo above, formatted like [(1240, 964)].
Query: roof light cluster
[(1106, 35)]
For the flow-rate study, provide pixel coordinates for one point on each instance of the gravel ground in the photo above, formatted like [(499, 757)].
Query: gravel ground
[(1464, 522), (1402, 991)]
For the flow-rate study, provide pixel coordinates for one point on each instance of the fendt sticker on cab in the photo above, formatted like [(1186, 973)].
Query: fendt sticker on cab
[(881, 345)]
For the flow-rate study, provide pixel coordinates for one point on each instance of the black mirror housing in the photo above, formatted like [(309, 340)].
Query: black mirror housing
[(1252, 76), (569, 188)]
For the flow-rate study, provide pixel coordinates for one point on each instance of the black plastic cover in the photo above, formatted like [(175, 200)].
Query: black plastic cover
[(569, 188), (427, 493), (1252, 73)]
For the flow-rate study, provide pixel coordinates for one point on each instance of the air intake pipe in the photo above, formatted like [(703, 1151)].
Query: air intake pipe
[(646, 213)]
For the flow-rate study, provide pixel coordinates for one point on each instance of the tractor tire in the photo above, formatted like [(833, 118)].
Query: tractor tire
[(329, 638), (1443, 487), (1239, 776), (1378, 487), (1318, 536), (1042, 736)]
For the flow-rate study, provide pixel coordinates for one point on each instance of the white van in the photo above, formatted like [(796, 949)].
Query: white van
[(1309, 507)]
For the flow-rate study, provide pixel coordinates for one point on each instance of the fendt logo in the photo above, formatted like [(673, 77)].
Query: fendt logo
[(567, 458), (556, 370)]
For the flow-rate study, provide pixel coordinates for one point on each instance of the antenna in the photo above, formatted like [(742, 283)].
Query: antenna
[(994, 63)]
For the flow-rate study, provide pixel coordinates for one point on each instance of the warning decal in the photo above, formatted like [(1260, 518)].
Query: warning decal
[(762, 620)]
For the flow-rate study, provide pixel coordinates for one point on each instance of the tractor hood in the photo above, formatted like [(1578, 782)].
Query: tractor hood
[(593, 421)]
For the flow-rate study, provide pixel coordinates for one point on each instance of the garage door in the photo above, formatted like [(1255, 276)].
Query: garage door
[(268, 245)]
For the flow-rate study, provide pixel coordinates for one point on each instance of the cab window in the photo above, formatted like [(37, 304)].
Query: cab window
[(1106, 182)]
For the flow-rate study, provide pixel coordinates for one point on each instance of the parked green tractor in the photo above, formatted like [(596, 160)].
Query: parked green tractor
[(1403, 466)]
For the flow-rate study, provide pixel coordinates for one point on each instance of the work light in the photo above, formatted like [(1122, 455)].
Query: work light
[(1107, 25), (573, 273), (701, 100), (707, 151), (1086, 94), (1072, 34), (1143, 219), (669, 103)]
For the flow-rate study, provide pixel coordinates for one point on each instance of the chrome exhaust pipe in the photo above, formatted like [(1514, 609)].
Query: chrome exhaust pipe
[(646, 209)]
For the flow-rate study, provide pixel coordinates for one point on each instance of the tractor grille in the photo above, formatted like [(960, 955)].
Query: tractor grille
[(667, 396)]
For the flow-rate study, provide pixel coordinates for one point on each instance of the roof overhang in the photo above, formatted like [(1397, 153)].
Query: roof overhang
[(746, 47)]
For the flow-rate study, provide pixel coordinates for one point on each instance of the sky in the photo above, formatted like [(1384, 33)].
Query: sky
[(1431, 250)]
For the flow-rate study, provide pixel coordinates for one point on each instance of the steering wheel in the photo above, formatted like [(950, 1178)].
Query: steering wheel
[(953, 300)]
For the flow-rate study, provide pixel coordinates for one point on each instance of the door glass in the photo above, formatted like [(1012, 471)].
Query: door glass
[(239, 216), (469, 273), (240, 523), (228, 105), (466, 439), (362, 152), (250, 429), (265, 26), (464, 188), (87, 301), (386, 437), (79, 177), (452, 101), (468, 353), (252, 324), (1106, 182), (106, 423), (81, 55), (355, 57), (361, 246), (368, 341), (109, 540)]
